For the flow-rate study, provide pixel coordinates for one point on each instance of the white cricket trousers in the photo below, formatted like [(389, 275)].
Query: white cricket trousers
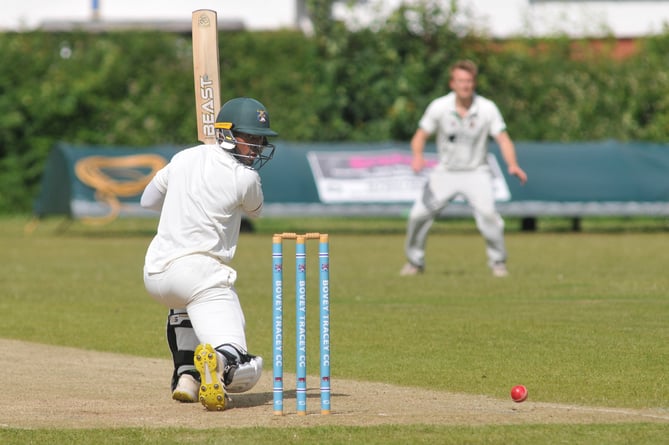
[(442, 187), (204, 287)]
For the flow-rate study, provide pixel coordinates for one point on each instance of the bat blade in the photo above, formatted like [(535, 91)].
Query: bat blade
[(206, 73)]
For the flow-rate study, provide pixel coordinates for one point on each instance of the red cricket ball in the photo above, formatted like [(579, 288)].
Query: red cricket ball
[(519, 393)]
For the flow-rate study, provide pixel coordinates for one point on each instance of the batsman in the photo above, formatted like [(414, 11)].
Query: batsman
[(202, 195)]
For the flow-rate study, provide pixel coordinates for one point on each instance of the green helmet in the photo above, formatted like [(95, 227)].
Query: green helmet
[(244, 115)]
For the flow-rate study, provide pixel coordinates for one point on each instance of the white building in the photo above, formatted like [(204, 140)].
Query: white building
[(498, 18), (576, 18)]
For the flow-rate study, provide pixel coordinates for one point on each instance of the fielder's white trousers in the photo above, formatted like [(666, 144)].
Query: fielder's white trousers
[(204, 287), (441, 188)]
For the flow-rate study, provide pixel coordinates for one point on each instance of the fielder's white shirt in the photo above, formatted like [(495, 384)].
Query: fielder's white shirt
[(206, 193), (462, 142)]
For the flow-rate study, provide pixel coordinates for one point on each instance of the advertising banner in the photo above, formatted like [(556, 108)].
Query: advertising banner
[(379, 176)]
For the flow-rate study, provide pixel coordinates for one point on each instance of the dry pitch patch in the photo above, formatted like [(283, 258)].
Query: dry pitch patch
[(58, 387)]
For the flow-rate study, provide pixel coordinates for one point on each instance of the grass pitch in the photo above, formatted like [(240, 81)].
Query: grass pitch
[(581, 320)]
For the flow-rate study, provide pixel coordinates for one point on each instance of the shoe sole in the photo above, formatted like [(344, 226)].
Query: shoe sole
[(212, 394)]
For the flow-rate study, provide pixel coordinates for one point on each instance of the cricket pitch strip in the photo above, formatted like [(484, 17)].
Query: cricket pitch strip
[(60, 387)]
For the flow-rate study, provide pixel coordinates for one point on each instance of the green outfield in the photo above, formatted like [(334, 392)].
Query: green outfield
[(582, 320)]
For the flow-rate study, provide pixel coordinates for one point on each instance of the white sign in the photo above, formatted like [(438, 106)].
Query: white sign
[(379, 176)]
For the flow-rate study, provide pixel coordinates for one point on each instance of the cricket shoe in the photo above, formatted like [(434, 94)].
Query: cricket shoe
[(499, 270), (187, 389), (410, 269), (212, 393)]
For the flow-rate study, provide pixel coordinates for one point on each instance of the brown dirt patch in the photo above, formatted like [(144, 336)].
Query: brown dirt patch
[(58, 387)]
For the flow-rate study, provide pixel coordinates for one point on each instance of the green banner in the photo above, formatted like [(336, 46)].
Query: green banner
[(375, 179)]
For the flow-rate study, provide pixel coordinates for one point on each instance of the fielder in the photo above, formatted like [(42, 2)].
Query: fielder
[(202, 195), (462, 121)]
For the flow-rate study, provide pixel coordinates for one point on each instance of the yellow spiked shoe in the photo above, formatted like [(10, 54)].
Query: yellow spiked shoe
[(211, 395)]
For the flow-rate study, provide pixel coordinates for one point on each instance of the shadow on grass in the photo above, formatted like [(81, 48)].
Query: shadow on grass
[(146, 227)]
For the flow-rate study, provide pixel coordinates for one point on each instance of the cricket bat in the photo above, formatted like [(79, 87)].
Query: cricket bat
[(206, 73)]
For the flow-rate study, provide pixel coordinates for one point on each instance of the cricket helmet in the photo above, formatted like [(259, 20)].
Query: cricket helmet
[(244, 115)]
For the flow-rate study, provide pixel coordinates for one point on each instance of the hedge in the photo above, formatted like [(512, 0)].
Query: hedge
[(136, 88)]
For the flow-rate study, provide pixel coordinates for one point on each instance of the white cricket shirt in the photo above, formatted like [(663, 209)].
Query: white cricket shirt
[(462, 142), (207, 191)]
